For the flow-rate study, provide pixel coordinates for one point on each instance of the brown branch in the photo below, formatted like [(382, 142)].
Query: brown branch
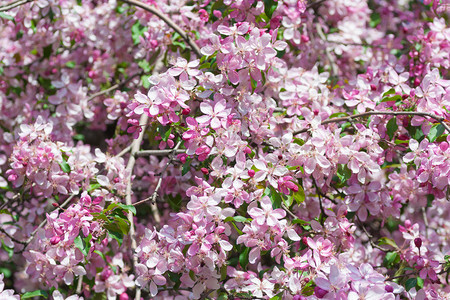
[(374, 113), (130, 165), (114, 87), (370, 238), (169, 22), (160, 152), (14, 4), (152, 198)]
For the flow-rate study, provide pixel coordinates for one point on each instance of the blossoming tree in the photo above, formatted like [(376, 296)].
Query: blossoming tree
[(174, 149)]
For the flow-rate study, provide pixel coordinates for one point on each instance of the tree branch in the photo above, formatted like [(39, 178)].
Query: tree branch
[(160, 152), (130, 165), (158, 185), (169, 22), (14, 4), (374, 113)]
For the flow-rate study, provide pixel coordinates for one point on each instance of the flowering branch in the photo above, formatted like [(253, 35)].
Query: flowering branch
[(169, 22), (374, 113), (43, 223)]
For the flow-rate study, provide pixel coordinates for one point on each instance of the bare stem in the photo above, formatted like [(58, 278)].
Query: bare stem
[(160, 152), (169, 22), (153, 197), (374, 113)]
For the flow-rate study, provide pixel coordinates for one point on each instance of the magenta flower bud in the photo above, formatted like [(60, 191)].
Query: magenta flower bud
[(204, 171), (97, 200), (388, 289), (247, 150), (320, 293), (186, 111), (124, 296), (55, 240), (418, 242), (55, 204), (251, 173), (304, 38), (443, 146)]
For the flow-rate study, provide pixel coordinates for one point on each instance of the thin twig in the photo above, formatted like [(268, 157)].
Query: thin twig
[(14, 4), (11, 237), (288, 211), (160, 152), (169, 22), (114, 87), (374, 113), (334, 68), (152, 198), (370, 238)]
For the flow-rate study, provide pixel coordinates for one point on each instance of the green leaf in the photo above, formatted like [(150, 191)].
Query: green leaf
[(64, 166), (410, 283), (287, 200), (10, 251), (144, 65), (93, 186), (175, 278), (299, 195), (254, 84), (391, 259), (375, 19), (275, 198), (145, 82), (278, 296), (128, 207), (239, 219), (389, 92), (117, 236), (300, 221), (419, 283), (237, 229), (387, 241), (47, 51), (186, 167), (243, 258), (81, 244), (343, 173), (435, 132), (269, 7), (394, 98), (101, 254), (6, 16), (37, 293), (137, 30), (338, 115), (70, 64), (391, 127)]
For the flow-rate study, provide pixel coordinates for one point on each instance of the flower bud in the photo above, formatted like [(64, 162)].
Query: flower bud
[(418, 242), (388, 289), (186, 111), (204, 171), (55, 240), (251, 173)]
